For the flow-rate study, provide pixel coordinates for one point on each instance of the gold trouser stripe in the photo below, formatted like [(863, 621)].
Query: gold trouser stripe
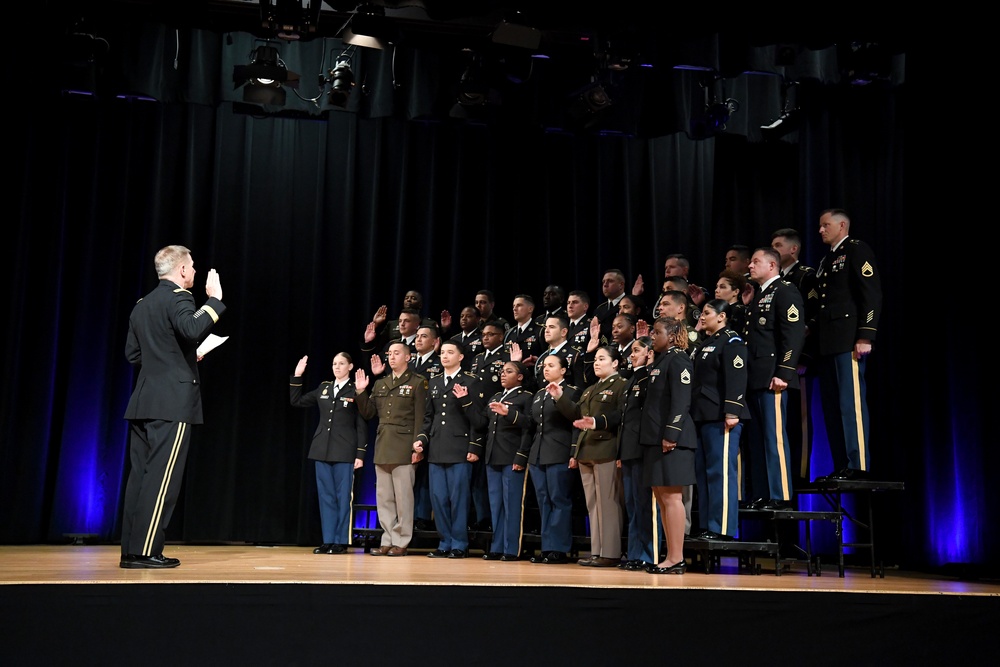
[(779, 428), (725, 480), (520, 523), (350, 512), (161, 496), (739, 475), (859, 423), (656, 529)]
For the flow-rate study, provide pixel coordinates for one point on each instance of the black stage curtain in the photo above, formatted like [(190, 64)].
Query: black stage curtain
[(314, 223)]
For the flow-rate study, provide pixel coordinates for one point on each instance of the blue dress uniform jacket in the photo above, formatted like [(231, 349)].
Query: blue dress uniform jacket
[(486, 367), (399, 403), (552, 432), (164, 331), (430, 367), (775, 335), (530, 339), (720, 378), (666, 411), (508, 437), (849, 290), (447, 433), (628, 417), (574, 365), (342, 433)]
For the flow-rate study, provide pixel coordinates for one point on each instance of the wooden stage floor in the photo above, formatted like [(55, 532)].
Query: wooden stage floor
[(54, 564), (284, 605)]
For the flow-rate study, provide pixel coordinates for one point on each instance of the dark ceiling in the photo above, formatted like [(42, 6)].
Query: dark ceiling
[(647, 30)]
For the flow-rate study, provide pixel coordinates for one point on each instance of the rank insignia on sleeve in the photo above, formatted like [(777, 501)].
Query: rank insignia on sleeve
[(685, 377), (793, 313), (788, 356), (867, 270), (870, 316), (737, 361)]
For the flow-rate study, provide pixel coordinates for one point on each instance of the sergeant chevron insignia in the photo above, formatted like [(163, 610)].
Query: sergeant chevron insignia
[(867, 270), (793, 313), (685, 377), (738, 362)]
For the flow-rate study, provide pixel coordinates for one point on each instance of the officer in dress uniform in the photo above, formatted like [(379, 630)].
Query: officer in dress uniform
[(850, 304), (487, 367), (164, 331)]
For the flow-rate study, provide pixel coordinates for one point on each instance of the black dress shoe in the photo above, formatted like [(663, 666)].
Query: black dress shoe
[(676, 568), (438, 553), (507, 558), (757, 504), (157, 562), (777, 506), (322, 549), (636, 566), (492, 555), (336, 549), (715, 537), (539, 558), (555, 558), (457, 553)]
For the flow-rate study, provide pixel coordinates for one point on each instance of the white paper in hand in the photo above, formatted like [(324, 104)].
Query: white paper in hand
[(210, 344)]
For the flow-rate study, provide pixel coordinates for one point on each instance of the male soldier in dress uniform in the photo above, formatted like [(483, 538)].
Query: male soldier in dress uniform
[(426, 362), (525, 333), (554, 302), (398, 400), (788, 243), (775, 335), (164, 331), (850, 303), (578, 330), (451, 446), (470, 337), (486, 303), (613, 287), (556, 327)]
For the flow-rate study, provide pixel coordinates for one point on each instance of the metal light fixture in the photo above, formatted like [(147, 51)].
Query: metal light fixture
[(340, 78), (788, 119), (713, 117), (265, 78)]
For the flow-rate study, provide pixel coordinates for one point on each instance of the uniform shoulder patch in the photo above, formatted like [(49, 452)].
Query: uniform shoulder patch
[(685, 377), (793, 313), (867, 270), (738, 361)]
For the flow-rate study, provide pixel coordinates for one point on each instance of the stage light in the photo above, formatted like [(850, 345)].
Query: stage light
[(265, 78), (712, 118), (368, 27), (290, 19), (341, 80), (787, 122), (788, 119), (588, 105)]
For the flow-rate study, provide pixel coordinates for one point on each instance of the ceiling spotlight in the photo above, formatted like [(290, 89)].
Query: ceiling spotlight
[(290, 19), (341, 80), (368, 27), (589, 104), (788, 120), (786, 123), (264, 79)]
